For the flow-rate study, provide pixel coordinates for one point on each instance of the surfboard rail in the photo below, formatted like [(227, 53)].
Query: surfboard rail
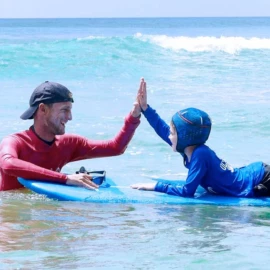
[(112, 193)]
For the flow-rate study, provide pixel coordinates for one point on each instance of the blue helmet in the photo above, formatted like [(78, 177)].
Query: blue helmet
[(193, 127)]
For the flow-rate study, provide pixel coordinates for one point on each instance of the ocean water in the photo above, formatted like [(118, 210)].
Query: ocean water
[(220, 65)]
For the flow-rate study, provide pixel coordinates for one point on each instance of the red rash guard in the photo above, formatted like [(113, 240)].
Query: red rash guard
[(24, 155)]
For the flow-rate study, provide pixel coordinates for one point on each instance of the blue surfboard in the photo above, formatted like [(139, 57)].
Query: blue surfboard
[(111, 193)]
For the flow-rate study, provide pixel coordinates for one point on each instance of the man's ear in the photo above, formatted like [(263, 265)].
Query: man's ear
[(42, 108)]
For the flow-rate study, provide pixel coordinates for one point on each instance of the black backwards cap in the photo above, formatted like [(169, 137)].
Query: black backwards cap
[(47, 93)]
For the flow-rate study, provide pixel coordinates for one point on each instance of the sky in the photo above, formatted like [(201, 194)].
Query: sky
[(132, 8)]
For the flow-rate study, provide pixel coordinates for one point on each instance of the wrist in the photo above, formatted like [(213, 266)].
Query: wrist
[(136, 115), (144, 107)]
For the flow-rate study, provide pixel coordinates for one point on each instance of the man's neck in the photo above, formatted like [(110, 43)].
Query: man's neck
[(47, 141)]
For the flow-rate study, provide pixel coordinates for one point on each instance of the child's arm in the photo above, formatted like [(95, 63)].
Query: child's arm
[(188, 190), (196, 173), (160, 127)]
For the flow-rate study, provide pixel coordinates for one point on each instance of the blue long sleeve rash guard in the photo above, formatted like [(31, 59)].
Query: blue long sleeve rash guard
[(207, 170)]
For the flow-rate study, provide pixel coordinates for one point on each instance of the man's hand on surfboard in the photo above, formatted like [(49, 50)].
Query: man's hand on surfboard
[(82, 180)]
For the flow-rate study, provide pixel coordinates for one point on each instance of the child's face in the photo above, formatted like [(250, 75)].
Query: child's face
[(173, 137)]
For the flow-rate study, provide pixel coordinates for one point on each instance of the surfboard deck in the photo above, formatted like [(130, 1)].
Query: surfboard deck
[(111, 193)]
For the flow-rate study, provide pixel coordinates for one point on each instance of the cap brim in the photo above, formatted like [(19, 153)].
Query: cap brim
[(29, 113)]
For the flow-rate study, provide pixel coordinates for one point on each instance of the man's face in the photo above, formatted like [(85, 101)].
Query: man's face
[(58, 114)]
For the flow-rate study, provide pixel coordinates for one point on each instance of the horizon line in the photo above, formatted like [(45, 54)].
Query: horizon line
[(151, 17)]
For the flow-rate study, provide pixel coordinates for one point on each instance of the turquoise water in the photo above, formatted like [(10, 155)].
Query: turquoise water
[(220, 65)]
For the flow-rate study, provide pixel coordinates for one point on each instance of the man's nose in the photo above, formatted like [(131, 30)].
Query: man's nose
[(70, 116)]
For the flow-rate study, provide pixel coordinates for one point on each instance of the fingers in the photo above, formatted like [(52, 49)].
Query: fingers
[(88, 183), (82, 180), (145, 186), (141, 86), (142, 95), (142, 89), (137, 186)]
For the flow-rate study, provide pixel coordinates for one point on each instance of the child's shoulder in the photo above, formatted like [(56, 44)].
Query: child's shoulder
[(203, 150), (203, 153)]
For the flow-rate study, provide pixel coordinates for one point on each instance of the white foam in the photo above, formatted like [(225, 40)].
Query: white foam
[(90, 38), (229, 45)]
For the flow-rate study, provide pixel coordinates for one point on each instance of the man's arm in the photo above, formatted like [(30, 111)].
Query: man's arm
[(87, 148), (12, 165)]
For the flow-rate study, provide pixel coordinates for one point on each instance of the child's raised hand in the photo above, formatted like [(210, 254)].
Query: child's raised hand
[(142, 95)]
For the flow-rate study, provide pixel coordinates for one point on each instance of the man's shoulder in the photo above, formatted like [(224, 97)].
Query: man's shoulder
[(69, 137), (18, 138), (18, 135)]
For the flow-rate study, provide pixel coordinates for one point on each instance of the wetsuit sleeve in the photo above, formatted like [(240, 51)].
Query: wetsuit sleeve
[(197, 171), (12, 165), (161, 128), (116, 146)]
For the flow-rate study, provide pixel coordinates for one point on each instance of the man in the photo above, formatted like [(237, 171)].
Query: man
[(41, 152)]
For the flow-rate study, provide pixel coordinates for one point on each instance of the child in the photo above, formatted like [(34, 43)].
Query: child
[(187, 134)]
